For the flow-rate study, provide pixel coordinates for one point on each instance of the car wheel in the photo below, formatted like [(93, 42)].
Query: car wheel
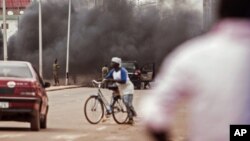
[(35, 122), (43, 121)]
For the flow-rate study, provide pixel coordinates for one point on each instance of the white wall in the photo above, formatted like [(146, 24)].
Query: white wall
[(12, 28)]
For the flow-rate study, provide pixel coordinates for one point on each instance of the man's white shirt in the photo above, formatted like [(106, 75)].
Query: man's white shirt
[(213, 72)]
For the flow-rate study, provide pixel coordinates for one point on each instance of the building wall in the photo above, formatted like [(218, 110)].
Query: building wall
[(13, 25), (14, 8)]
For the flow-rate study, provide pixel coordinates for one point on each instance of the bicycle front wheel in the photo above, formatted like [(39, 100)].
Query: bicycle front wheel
[(119, 113), (93, 110)]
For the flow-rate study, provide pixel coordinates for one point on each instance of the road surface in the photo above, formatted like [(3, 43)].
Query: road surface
[(66, 122)]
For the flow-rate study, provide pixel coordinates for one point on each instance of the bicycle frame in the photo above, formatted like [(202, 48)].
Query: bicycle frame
[(101, 97)]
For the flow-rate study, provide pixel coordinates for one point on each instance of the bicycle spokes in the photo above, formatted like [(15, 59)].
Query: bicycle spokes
[(95, 105), (93, 110), (120, 114)]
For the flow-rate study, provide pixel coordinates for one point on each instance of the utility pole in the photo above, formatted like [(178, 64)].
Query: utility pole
[(68, 41), (40, 39), (5, 49), (209, 8)]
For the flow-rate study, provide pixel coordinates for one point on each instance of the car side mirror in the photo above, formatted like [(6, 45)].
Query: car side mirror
[(46, 85)]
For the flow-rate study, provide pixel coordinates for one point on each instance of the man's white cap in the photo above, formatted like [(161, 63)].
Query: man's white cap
[(117, 60)]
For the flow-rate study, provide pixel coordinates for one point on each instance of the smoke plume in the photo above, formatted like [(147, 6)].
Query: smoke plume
[(115, 28)]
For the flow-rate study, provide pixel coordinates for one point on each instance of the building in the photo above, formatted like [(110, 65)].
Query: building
[(14, 8)]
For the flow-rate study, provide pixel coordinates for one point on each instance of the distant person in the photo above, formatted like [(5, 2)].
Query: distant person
[(119, 75), (105, 71), (56, 68), (212, 73)]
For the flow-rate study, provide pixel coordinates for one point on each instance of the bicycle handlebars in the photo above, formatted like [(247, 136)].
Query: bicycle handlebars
[(99, 84)]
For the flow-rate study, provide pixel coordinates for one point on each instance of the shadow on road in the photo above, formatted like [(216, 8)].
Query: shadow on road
[(15, 129), (23, 129)]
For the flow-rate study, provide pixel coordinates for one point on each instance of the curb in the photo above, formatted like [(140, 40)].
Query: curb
[(62, 88)]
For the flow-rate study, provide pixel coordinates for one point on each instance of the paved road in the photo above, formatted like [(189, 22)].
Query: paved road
[(66, 122)]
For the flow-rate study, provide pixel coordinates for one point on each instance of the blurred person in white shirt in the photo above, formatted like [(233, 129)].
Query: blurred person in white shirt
[(212, 72)]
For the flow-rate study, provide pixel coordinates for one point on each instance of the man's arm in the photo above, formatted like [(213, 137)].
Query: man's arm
[(58, 66), (110, 75)]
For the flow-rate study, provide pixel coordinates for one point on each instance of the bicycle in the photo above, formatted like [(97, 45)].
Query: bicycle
[(95, 105)]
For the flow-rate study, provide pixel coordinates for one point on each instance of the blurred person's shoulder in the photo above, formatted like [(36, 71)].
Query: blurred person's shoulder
[(200, 46), (225, 36)]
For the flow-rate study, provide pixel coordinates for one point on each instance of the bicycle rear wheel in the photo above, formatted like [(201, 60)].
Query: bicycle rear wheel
[(93, 110), (119, 113)]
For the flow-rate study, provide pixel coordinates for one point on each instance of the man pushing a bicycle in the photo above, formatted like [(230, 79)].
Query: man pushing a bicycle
[(119, 75)]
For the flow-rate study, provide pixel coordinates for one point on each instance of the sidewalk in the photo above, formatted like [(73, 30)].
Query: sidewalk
[(62, 87)]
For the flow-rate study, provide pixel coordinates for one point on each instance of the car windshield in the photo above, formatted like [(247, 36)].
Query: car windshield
[(15, 70), (129, 66)]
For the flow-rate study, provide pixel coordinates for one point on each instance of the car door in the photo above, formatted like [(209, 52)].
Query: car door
[(148, 72)]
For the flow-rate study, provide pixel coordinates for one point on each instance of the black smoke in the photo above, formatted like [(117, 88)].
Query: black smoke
[(116, 28)]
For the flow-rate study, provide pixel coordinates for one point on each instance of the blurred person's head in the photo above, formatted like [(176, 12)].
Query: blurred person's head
[(234, 9)]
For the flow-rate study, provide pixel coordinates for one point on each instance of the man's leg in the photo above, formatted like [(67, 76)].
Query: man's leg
[(54, 78), (57, 79), (127, 99), (131, 96)]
